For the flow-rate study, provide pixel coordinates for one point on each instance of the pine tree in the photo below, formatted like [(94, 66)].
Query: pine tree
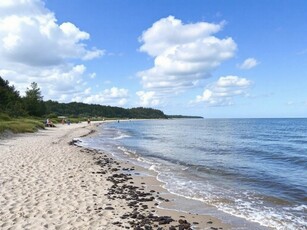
[(34, 101)]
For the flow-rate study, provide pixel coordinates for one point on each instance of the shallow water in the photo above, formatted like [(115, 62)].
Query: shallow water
[(251, 168)]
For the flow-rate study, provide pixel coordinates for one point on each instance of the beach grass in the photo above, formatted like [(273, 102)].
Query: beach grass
[(32, 124), (19, 125)]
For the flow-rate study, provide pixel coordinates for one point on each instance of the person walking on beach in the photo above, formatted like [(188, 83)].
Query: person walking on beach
[(88, 121)]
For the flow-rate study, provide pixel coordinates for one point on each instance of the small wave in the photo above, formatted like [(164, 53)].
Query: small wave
[(152, 167), (266, 216), (135, 158), (128, 152), (121, 136), (265, 210), (297, 208), (299, 141), (249, 208)]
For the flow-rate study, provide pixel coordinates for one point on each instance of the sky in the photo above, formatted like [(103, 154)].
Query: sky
[(212, 58)]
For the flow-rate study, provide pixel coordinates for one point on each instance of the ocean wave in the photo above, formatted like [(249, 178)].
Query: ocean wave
[(121, 136), (250, 206)]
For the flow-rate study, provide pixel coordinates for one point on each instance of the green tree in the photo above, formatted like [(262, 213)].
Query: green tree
[(10, 100), (34, 101)]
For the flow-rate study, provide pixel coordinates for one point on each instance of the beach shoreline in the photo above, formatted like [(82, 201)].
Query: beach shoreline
[(47, 183)]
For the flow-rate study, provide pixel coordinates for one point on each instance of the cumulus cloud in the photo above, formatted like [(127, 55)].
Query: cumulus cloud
[(30, 35), (184, 54), (148, 98), (249, 63), (35, 47), (112, 96), (223, 91), (54, 81)]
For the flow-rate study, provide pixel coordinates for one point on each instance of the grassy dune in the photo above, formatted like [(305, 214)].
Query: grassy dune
[(19, 125)]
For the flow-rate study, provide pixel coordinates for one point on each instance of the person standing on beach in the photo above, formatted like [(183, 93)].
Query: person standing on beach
[(88, 121)]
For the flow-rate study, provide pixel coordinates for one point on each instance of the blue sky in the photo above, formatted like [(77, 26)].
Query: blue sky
[(209, 58)]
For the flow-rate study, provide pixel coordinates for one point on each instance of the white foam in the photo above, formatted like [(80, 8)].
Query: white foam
[(298, 208), (265, 216), (249, 206), (121, 136)]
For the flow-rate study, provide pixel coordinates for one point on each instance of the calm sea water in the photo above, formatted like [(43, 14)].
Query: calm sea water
[(251, 168)]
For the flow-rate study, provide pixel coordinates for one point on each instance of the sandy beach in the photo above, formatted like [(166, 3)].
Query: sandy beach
[(47, 182)]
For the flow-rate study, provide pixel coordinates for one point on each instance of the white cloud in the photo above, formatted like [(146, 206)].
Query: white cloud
[(53, 81), (89, 55), (232, 81), (92, 75), (148, 98), (249, 63), (113, 96), (30, 35), (170, 31), (223, 91), (35, 47), (184, 54)]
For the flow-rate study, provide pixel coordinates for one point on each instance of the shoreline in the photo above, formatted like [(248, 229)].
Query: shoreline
[(47, 183), (207, 216)]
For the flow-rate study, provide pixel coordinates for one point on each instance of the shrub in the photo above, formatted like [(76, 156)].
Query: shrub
[(4, 117)]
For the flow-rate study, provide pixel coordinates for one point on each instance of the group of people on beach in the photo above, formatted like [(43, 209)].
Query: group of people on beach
[(65, 121), (49, 123)]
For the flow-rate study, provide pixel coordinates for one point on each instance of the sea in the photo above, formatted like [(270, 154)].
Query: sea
[(251, 169)]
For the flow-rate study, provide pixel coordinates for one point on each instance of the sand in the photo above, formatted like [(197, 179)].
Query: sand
[(47, 183)]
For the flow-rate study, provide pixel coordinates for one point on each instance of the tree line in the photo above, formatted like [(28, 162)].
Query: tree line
[(32, 104)]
